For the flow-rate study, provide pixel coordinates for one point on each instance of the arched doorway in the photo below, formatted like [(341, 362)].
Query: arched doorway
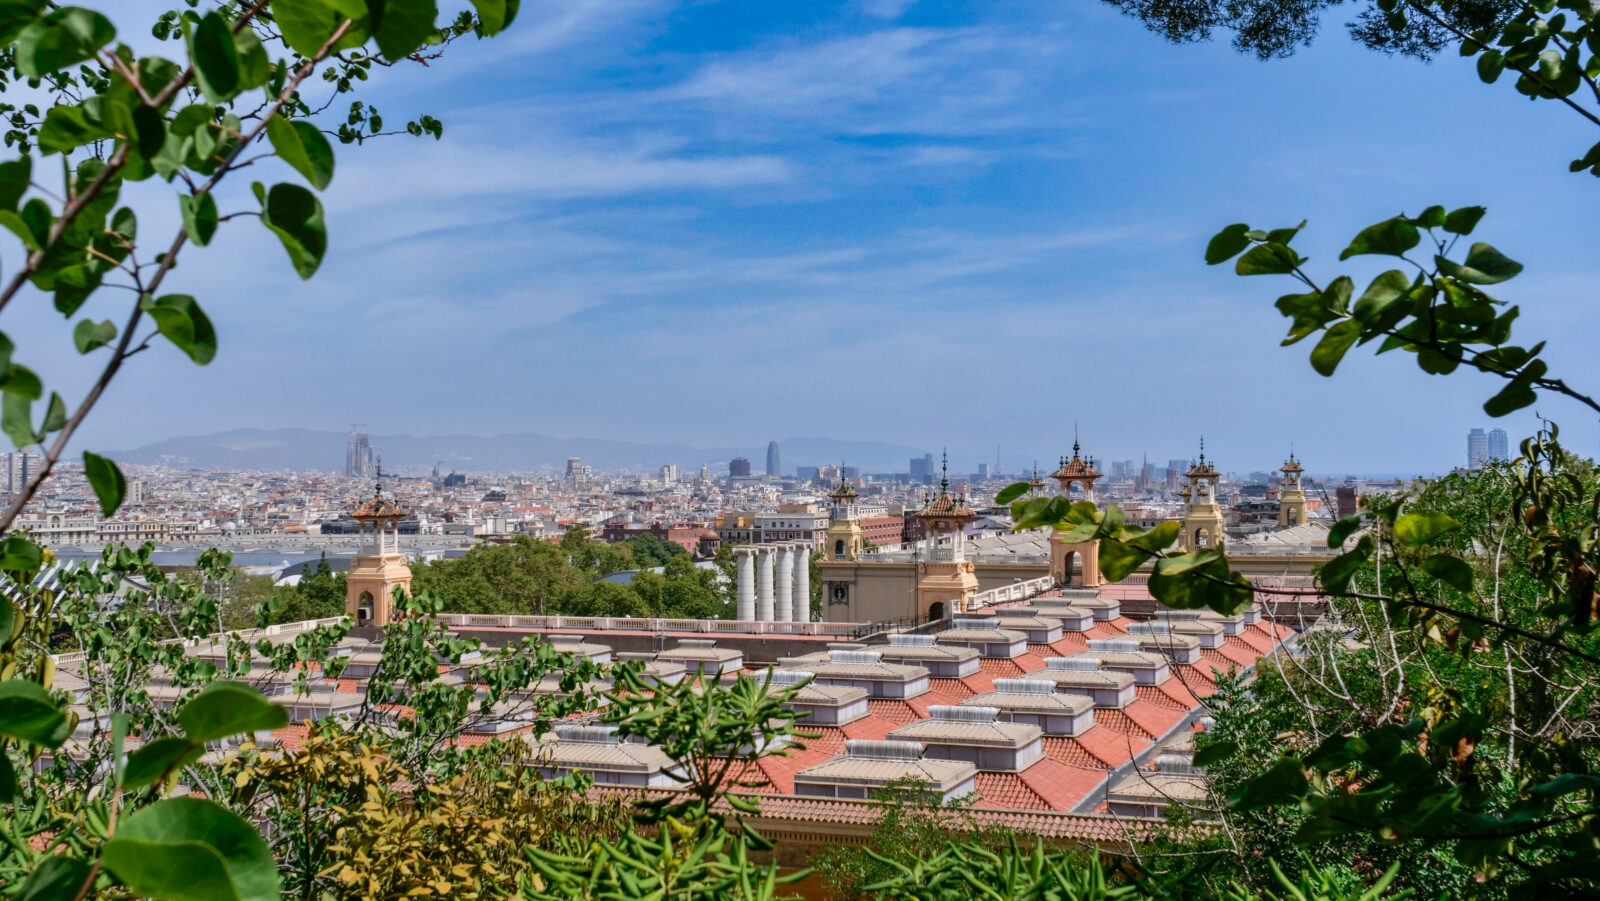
[(364, 608), (936, 611), (838, 549)]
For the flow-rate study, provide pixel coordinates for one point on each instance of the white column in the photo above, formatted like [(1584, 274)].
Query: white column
[(745, 559), (783, 605), (764, 584), (802, 583)]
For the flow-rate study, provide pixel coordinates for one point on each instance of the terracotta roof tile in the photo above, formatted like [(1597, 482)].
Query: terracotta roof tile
[(897, 712), (979, 682), (1119, 721), (1071, 752), (1044, 650), (1061, 785), (1007, 791), (1154, 695), (1198, 679), (952, 688), (1070, 643), (1152, 718)]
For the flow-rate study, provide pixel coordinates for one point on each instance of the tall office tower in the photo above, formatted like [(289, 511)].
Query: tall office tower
[(669, 473), (1179, 465), (20, 467), (705, 473), (919, 469), (1499, 446), (774, 461), (358, 456), (983, 471), (738, 467), (574, 469), (1477, 448), (135, 493)]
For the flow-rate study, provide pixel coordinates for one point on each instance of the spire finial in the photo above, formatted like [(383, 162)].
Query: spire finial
[(1074, 438), (377, 488), (944, 471), (1202, 450)]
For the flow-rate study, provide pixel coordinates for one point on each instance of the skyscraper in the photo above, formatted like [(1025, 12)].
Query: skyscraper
[(1477, 448), (1499, 447), (20, 467), (922, 469), (738, 466), (358, 456), (774, 461)]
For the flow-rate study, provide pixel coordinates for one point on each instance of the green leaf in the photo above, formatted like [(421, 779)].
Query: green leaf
[(215, 57), (179, 317), (106, 480), (190, 849), (14, 223), (306, 24), (1391, 237), (1215, 752), (1182, 563), (295, 215), (58, 878), (1388, 288), (1564, 784), (1284, 783), (15, 176), (1483, 266), (1452, 571), (1490, 65), (495, 15), (1011, 492), (401, 26), (1342, 530), (63, 38), (1432, 217), (55, 416), (1336, 574), (199, 216), (88, 335), (1418, 529), (157, 759), (18, 554), (1159, 538), (304, 147), (1118, 559), (1227, 244), (20, 380), (27, 714), (1335, 342), (1464, 220), (1268, 259), (16, 418), (229, 708), (16, 15), (1513, 397)]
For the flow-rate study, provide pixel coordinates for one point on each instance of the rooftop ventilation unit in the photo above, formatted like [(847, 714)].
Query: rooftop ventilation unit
[(980, 622), (626, 656), (1025, 686), (883, 750), (973, 714), (564, 639), (845, 645), (1112, 644), (1073, 664), (1177, 614), (790, 676), (911, 641), (697, 642), (860, 657), (1174, 763), (1149, 629), (592, 735)]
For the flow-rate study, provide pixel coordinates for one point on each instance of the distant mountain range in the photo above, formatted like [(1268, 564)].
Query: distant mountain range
[(309, 450)]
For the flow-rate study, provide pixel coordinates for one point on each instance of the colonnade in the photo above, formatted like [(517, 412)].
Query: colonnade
[(773, 582)]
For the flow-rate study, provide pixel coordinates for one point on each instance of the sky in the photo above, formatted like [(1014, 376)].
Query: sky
[(937, 224)]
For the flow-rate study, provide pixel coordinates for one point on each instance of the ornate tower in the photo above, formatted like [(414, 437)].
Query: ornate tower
[(379, 568), (946, 581), (1081, 472), (844, 531), (1036, 485), (1203, 524), (1291, 496)]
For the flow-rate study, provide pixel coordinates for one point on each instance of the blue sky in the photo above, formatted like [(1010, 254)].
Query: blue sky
[(920, 222)]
